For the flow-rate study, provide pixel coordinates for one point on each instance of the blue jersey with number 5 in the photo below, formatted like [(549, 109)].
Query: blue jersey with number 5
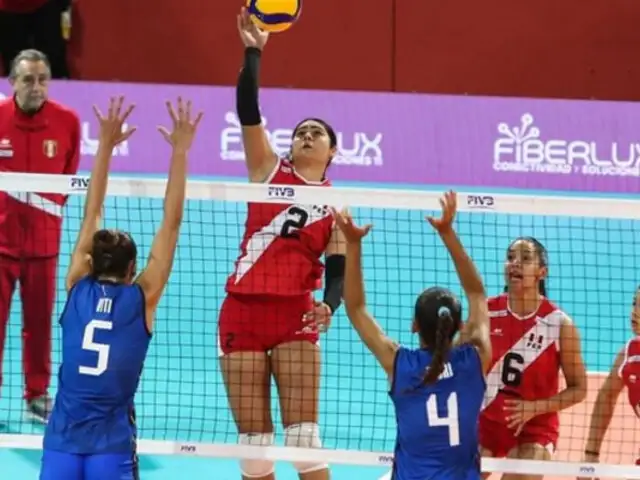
[(437, 423), (104, 345)]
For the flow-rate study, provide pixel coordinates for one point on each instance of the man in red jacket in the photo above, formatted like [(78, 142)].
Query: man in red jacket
[(37, 135), (34, 24)]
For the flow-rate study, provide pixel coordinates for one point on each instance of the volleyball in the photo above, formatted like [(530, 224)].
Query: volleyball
[(274, 15)]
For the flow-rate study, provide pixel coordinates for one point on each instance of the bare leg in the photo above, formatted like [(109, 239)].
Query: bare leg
[(527, 451), (296, 368), (247, 378)]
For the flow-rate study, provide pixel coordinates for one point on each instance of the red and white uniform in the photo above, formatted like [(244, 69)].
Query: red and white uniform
[(525, 365), (278, 270), (629, 372)]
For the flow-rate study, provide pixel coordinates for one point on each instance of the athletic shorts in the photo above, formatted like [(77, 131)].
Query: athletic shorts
[(497, 438), (258, 323), (69, 466)]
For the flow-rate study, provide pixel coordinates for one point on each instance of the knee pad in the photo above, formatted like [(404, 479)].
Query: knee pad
[(304, 435), (253, 468)]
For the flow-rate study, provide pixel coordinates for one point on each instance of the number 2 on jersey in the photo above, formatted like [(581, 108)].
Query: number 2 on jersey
[(450, 420), (296, 219), (89, 343)]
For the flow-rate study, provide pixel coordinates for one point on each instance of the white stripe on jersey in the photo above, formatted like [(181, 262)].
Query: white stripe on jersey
[(261, 240), (548, 329)]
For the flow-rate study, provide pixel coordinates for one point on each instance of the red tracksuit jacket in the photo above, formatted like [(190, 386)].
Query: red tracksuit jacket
[(47, 142)]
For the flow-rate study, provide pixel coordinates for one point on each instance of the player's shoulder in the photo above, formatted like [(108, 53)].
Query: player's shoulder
[(498, 306), (550, 313), (63, 112)]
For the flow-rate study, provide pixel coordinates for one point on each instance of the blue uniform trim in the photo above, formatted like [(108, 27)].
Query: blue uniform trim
[(144, 311), (392, 388)]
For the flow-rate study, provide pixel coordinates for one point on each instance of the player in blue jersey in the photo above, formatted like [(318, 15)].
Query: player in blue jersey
[(437, 389), (108, 318)]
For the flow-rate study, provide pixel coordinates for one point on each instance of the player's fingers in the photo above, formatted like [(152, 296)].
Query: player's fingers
[(127, 112), (165, 133), (119, 104), (197, 120), (112, 104), (97, 112), (172, 112), (367, 228), (127, 134), (188, 111)]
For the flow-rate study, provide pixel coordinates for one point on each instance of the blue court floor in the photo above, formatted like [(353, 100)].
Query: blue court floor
[(594, 269)]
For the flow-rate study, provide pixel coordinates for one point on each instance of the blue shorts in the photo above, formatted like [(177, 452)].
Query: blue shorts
[(69, 466)]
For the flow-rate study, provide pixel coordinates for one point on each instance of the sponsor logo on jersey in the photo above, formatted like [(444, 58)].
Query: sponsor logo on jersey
[(523, 148), (357, 149)]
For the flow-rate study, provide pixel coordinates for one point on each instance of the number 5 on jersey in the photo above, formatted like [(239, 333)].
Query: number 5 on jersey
[(449, 420), (89, 344)]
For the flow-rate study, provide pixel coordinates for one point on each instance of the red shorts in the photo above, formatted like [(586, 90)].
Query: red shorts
[(497, 438), (258, 323)]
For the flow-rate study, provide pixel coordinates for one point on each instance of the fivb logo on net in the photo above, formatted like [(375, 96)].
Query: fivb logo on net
[(356, 149), (520, 149), (88, 144)]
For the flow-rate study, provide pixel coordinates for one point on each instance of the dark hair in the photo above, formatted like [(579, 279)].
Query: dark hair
[(438, 315), (112, 253), (543, 259)]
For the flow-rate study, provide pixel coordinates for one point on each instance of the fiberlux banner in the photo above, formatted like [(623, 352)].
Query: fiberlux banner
[(392, 138)]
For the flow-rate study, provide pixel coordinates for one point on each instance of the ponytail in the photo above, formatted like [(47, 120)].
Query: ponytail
[(442, 346)]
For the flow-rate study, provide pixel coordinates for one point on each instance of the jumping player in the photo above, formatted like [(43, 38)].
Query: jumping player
[(532, 341), (108, 319), (625, 373), (437, 390), (269, 321)]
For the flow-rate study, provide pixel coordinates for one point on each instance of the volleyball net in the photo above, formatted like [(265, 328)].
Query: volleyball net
[(182, 409)]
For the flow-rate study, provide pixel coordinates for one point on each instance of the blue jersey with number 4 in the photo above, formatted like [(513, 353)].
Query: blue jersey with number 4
[(104, 345), (438, 423)]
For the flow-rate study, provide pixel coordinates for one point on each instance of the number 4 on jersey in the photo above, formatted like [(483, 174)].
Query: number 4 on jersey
[(450, 420)]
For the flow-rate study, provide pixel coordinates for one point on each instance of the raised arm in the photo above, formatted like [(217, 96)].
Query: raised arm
[(476, 329), (603, 410), (260, 157), (111, 134), (156, 273), (382, 347)]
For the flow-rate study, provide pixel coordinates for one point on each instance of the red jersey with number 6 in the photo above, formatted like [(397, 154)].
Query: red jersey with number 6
[(526, 355), (629, 372), (282, 243)]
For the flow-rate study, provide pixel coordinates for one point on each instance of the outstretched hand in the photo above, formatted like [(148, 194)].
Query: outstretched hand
[(250, 34), (111, 125), (449, 204), (352, 232), (184, 128)]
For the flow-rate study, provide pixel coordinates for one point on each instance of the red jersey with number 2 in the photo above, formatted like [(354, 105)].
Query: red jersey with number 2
[(526, 355), (282, 243), (629, 372)]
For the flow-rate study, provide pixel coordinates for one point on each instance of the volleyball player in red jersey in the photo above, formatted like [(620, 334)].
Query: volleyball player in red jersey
[(532, 341), (269, 321), (624, 373)]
